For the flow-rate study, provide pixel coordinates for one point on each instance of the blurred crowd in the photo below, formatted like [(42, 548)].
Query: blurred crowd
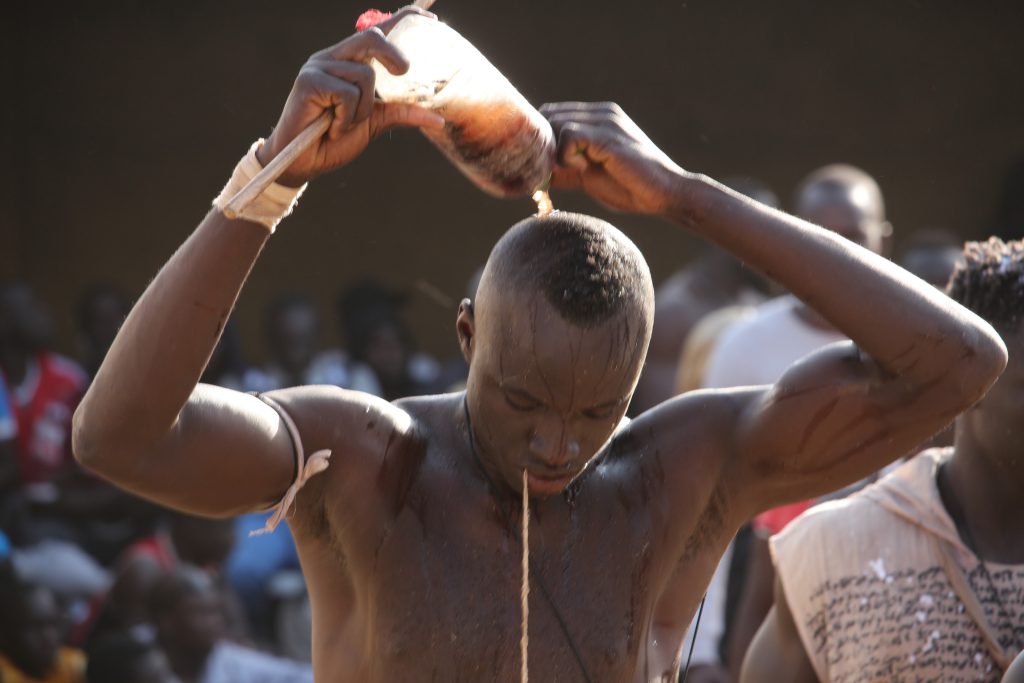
[(96, 582), (97, 585)]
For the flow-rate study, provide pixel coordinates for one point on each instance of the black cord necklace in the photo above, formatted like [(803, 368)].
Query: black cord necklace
[(535, 573), (512, 531)]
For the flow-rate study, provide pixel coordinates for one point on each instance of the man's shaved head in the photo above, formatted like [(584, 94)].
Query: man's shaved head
[(842, 181), (555, 342), (585, 268), (847, 201)]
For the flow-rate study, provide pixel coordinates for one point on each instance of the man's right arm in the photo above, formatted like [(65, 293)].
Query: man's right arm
[(145, 423)]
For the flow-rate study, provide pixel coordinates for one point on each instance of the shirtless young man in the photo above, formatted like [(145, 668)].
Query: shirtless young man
[(408, 538)]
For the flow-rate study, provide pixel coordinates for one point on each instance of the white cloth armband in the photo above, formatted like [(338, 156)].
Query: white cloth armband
[(276, 202)]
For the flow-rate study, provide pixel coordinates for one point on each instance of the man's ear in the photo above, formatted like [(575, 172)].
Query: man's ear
[(885, 239), (465, 328)]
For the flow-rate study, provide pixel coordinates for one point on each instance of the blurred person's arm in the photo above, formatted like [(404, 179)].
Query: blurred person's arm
[(776, 652), (9, 475), (145, 423), (755, 601)]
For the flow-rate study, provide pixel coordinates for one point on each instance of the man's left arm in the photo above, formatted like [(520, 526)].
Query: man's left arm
[(919, 360)]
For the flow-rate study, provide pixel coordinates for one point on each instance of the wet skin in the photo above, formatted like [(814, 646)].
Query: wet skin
[(435, 565), (411, 570)]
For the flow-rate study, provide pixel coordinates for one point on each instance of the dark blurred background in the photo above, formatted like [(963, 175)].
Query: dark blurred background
[(122, 120)]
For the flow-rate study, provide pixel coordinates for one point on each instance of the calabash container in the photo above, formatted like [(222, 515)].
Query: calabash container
[(491, 133)]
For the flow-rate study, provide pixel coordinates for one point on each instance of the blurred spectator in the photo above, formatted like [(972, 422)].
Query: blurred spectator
[(9, 479), (101, 309), (1009, 220), (189, 618), (226, 367), (932, 255), (760, 348), (183, 540), (45, 388), (123, 658), (378, 338), (920, 576), (711, 281), (31, 636), (701, 341), (42, 511), (293, 339)]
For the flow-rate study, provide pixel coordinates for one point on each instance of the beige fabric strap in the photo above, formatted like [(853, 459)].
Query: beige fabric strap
[(304, 470), (957, 578), (271, 206)]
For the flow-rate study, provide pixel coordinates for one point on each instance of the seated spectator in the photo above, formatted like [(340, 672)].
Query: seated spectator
[(227, 367), (100, 311), (920, 576), (46, 493), (123, 658), (293, 339), (379, 339), (9, 479), (932, 255), (184, 540), (45, 389), (31, 635), (188, 612), (711, 281)]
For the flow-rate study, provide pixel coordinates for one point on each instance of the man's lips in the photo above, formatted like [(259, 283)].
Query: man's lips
[(548, 482)]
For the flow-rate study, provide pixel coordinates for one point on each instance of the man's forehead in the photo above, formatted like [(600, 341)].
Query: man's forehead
[(855, 199)]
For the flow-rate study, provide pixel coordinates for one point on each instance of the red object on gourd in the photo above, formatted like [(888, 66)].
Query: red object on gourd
[(371, 18)]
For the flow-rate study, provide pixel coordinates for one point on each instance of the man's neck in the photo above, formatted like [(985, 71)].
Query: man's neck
[(987, 497)]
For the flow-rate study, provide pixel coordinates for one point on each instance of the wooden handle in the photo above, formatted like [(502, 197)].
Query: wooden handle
[(265, 178), (290, 153)]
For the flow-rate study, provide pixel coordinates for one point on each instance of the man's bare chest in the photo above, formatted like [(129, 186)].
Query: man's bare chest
[(443, 576)]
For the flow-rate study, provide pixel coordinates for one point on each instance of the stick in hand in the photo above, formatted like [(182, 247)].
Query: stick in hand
[(290, 153)]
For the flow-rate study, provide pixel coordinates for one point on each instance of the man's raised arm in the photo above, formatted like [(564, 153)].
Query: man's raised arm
[(919, 359), (144, 423)]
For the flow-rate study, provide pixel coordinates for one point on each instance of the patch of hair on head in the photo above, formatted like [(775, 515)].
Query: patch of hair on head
[(585, 268), (990, 281)]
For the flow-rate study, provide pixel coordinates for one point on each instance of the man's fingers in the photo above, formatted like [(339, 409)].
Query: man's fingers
[(326, 91), (359, 75), (580, 144), (388, 115), (364, 46)]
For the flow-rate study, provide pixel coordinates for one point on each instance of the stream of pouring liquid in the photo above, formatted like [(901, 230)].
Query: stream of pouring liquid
[(543, 201)]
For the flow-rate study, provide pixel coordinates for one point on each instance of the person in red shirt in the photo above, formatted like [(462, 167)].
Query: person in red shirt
[(44, 389)]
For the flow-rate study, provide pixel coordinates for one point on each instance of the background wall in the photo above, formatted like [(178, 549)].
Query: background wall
[(121, 120)]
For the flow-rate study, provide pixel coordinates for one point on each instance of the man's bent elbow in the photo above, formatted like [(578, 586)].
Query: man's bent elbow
[(92, 450), (83, 440), (981, 362)]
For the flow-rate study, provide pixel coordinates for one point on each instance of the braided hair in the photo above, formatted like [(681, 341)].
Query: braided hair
[(990, 281)]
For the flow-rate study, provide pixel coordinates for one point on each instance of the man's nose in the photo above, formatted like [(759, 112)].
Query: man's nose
[(554, 445)]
